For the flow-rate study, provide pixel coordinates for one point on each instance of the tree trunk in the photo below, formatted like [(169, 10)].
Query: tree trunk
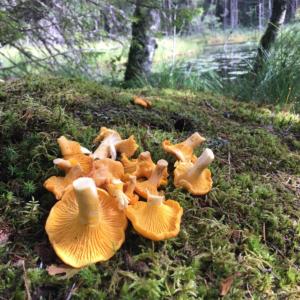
[(144, 26), (277, 19)]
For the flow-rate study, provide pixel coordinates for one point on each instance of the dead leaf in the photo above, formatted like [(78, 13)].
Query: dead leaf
[(58, 270), (226, 285), (142, 102)]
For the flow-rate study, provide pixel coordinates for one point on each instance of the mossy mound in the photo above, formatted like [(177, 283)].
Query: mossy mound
[(247, 227)]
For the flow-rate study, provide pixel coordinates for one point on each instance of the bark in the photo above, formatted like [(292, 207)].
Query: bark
[(277, 19), (143, 43)]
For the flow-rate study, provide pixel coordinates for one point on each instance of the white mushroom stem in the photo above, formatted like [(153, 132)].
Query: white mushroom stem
[(85, 150), (63, 164), (201, 163), (118, 193), (144, 156), (154, 199), (157, 173), (194, 140), (107, 148), (131, 185), (87, 199)]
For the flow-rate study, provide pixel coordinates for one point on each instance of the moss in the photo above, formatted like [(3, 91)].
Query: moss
[(246, 227)]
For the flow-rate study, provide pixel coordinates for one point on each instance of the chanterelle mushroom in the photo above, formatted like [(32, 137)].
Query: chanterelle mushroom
[(70, 148), (184, 150), (150, 185), (129, 189), (84, 161), (111, 143), (58, 185), (143, 166), (85, 227), (156, 219), (196, 178), (105, 170)]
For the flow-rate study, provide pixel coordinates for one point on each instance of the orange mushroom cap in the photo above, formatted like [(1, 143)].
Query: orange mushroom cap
[(196, 178), (142, 102), (150, 185), (111, 143), (129, 165), (58, 185), (155, 219), (184, 150), (105, 170), (84, 161), (85, 227), (69, 148)]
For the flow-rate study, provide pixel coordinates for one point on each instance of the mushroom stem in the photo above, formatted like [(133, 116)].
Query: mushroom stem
[(113, 151), (157, 173), (202, 163), (88, 202), (131, 185), (63, 164), (194, 140), (154, 199), (144, 156), (117, 192)]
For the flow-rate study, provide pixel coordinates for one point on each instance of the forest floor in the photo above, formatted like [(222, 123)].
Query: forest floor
[(241, 240)]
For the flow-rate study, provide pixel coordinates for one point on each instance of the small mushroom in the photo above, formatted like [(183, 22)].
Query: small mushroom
[(115, 189), (184, 150), (143, 166), (58, 185), (150, 185), (85, 227), (129, 189), (111, 143), (155, 219), (105, 170), (69, 148), (84, 161), (196, 178), (142, 102)]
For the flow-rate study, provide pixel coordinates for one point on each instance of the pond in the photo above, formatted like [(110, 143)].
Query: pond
[(228, 60)]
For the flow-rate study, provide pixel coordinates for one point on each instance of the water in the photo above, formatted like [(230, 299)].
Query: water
[(229, 61)]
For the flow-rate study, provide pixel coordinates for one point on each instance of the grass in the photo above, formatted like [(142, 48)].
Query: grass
[(246, 227)]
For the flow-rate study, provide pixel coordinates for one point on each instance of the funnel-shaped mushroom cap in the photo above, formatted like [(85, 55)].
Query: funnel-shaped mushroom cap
[(105, 170), (57, 185), (184, 150), (69, 148), (151, 185), (129, 189), (84, 161), (85, 227), (115, 189), (196, 178), (142, 102), (155, 219), (128, 146)]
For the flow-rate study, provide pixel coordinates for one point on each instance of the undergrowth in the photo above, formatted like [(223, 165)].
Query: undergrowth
[(246, 227)]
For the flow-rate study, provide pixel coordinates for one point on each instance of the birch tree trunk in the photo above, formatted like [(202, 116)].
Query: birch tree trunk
[(277, 19), (143, 44)]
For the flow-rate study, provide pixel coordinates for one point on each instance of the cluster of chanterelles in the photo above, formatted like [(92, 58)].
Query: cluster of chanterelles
[(98, 194)]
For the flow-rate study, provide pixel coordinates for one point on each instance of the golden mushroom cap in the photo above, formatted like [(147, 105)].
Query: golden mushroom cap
[(184, 151), (58, 184), (79, 242), (129, 165), (127, 146), (69, 148), (156, 221), (200, 185)]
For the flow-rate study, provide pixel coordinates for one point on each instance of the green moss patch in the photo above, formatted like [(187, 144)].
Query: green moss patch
[(246, 227)]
